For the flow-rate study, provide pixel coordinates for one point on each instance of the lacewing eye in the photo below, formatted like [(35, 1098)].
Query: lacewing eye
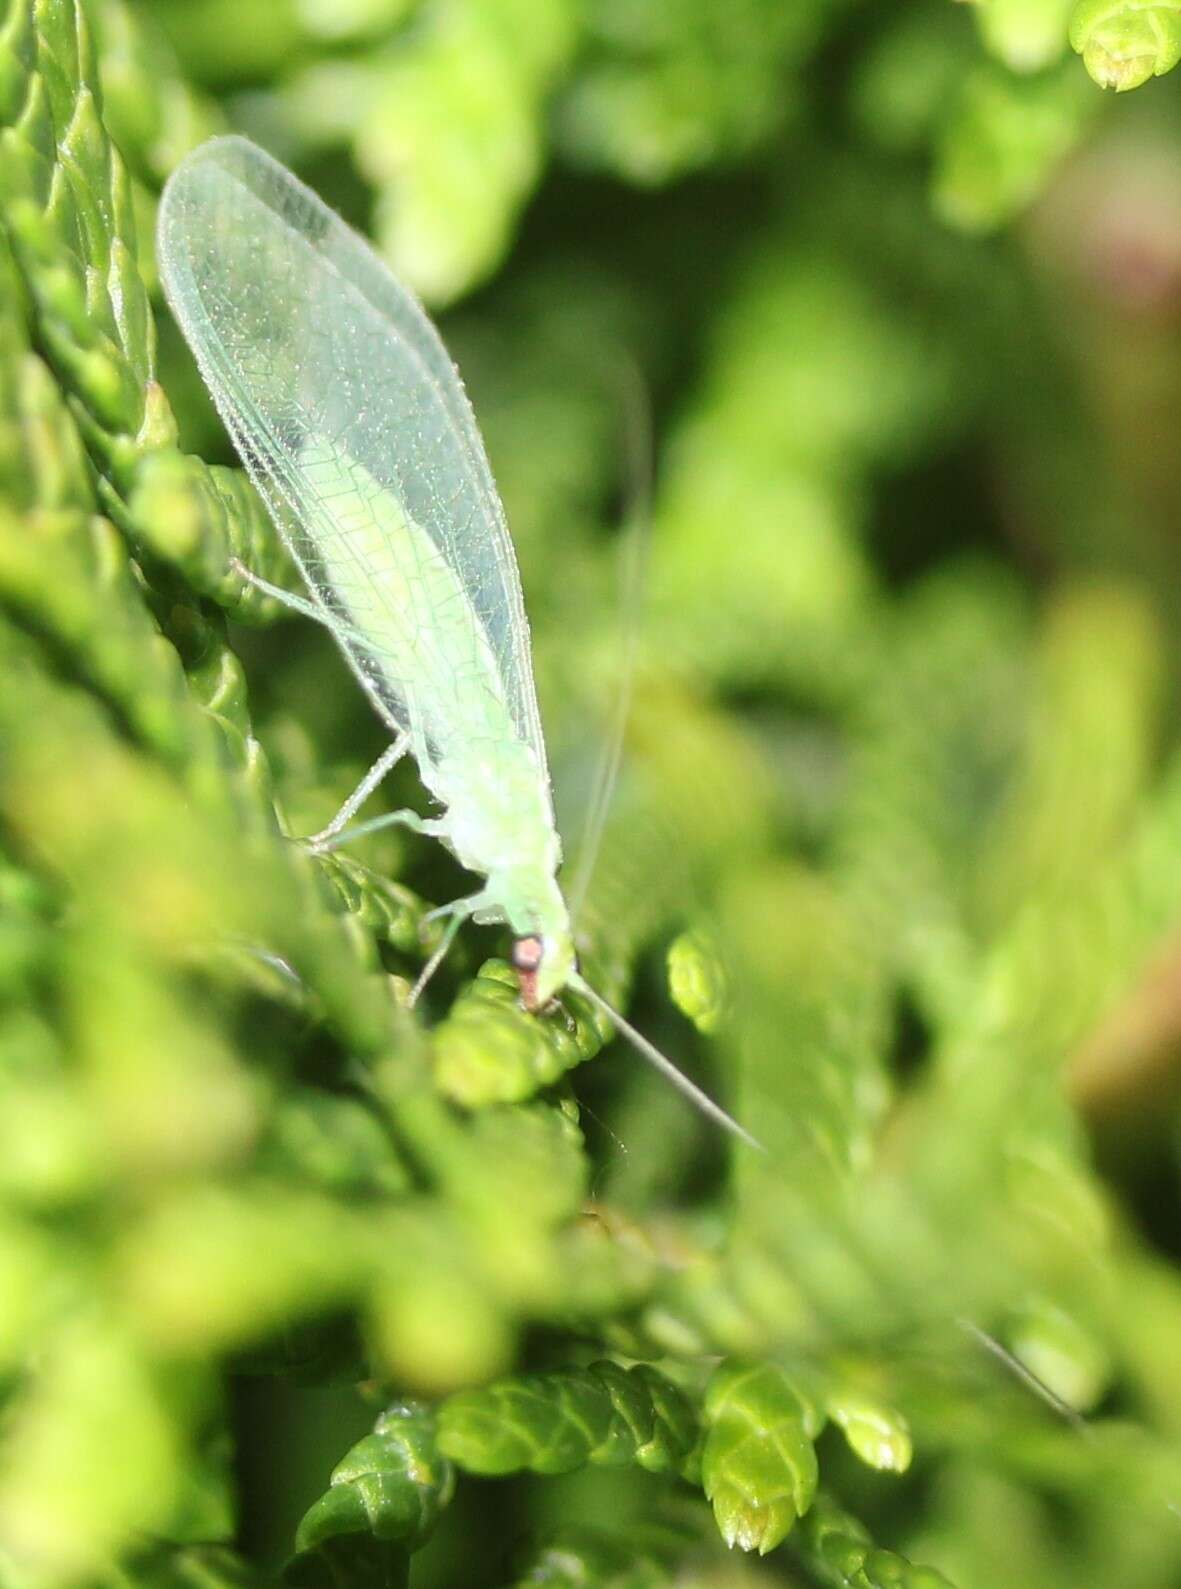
[(527, 953)]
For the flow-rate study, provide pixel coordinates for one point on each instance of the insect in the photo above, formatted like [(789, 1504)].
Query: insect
[(353, 425)]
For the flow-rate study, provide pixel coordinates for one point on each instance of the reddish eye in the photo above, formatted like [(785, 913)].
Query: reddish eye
[(527, 954)]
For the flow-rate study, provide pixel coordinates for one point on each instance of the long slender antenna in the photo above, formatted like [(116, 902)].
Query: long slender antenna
[(1038, 1386), (637, 518), (688, 1089), (1026, 1375)]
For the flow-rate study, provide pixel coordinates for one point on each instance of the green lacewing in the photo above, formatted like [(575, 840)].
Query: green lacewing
[(354, 426)]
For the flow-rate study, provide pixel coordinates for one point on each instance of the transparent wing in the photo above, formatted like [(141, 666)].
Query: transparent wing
[(338, 392)]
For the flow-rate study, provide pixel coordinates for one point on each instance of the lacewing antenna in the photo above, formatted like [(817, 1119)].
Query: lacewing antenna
[(637, 519), (688, 1089), (1033, 1382), (1026, 1375)]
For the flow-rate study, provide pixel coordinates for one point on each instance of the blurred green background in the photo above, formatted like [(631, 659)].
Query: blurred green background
[(873, 314)]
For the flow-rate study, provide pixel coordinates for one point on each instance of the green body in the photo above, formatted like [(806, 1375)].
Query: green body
[(398, 599)]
